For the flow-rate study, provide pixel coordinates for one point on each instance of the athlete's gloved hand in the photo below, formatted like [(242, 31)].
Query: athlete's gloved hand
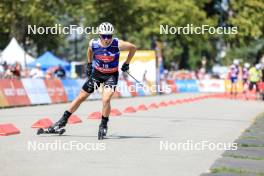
[(88, 70), (125, 67)]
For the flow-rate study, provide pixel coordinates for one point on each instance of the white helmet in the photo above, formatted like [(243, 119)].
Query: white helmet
[(232, 66), (246, 65), (236, 62), (106, 28), (258, 66)]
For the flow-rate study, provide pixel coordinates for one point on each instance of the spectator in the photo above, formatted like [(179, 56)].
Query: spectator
[(16, 70), (60, 72), (37, 72), (255, 76), (5, 66), (2, 71), (25, 73), (8, 72)]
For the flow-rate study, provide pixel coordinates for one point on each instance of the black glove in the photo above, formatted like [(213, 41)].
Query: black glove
[(125, 67), (88, 70)]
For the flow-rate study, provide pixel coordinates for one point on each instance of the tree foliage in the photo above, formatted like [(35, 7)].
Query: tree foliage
[(137, 21)]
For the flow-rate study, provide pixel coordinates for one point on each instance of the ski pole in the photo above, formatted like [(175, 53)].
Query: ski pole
[(134, 79)]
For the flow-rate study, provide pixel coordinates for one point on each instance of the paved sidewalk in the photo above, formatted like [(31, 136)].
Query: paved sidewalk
[(248, 159), (133, 147)]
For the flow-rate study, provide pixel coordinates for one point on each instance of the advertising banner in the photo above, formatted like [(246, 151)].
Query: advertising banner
[(212, 85), (187, 85), (172, 85), (56, 90), (14, 92), (3, 101), (36, 91), (71, 88), (131, 88), (123, 89), (228, 86), (142, 66)]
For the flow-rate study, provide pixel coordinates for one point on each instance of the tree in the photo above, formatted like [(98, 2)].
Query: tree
[(15, 17), (248, 17)]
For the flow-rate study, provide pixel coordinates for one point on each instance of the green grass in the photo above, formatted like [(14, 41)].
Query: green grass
[(243, 157), (248, 137), (252, 137), (247, 130), (227, 169), (249, 145), (234, 170)]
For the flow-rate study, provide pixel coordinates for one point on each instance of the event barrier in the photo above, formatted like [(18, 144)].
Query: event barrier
[(71, 88), (213, 85), (28, 91), (36, 91), (187, 85), (13, 93)]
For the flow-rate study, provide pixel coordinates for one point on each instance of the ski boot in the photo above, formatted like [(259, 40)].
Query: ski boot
[(103, 128), (57, 128)]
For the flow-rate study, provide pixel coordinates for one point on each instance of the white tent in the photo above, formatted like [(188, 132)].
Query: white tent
[(14, 52)]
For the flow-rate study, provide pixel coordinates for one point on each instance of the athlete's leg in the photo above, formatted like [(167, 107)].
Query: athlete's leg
[(258, 95), (83, 95), (235, 87), (88, 88), (232, 87), (108, 91), (231, 91), (245, 88)]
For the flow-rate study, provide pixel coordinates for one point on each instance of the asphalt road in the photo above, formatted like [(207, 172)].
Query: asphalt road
[(153, 142)]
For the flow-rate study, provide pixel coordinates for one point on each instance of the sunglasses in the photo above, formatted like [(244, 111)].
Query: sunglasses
[(106, 36)]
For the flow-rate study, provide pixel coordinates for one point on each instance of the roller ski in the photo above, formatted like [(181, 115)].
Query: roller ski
[(43, 131), (57, 128), (102, 129)]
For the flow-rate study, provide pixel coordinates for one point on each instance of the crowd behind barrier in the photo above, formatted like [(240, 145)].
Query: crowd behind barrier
[(28, 91), (11, 71)]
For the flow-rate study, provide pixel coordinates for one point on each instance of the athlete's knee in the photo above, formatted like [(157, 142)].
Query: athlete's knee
[(106, 100), (82, 97)]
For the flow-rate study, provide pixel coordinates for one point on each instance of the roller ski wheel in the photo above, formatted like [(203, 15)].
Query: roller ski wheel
[(102, 133), (59, 131), (40, 131)]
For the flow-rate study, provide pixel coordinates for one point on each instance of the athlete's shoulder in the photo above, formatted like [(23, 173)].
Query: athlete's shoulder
[(94, 43), (115, 39), (90, 43), (115, 42)]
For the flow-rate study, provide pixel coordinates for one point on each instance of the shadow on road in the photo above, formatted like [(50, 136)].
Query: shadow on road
[(131, 137), (107, 137)]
